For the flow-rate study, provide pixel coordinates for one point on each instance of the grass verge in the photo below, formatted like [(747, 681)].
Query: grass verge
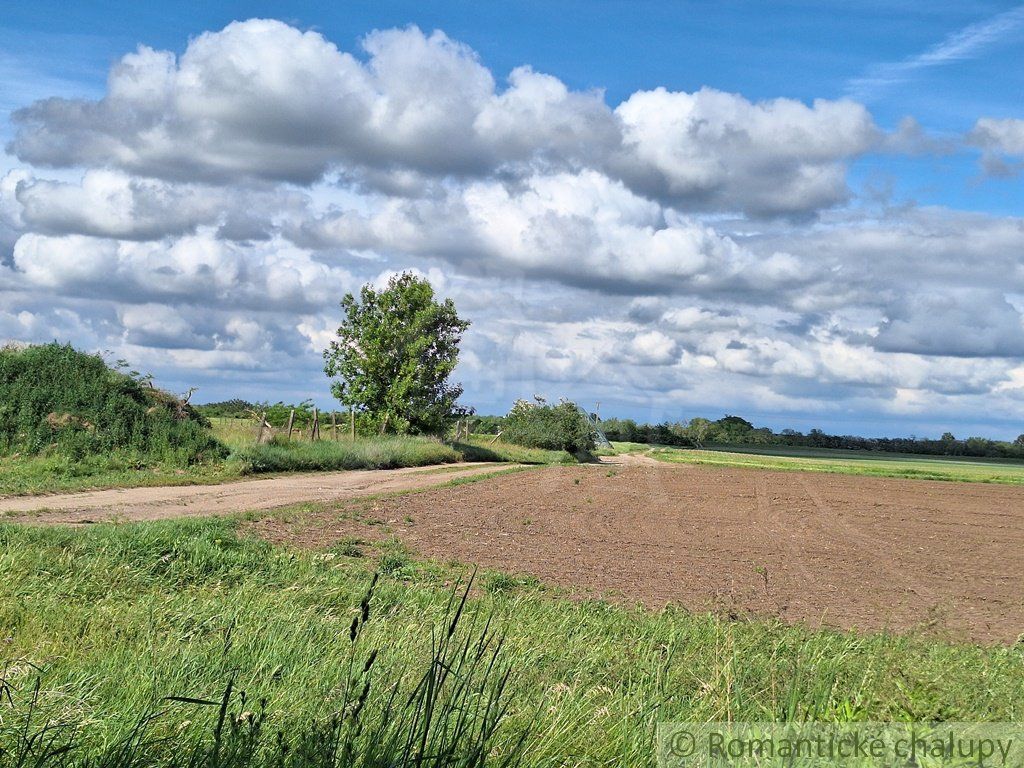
[(119, 617), (21, 475)]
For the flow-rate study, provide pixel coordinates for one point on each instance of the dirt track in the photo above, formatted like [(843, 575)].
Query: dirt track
[(872, 553), (240, 496)]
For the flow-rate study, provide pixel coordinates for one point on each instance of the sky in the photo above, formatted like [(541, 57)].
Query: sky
[(805, 213)]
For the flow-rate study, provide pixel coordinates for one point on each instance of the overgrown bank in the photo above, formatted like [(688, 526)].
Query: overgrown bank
[(55, 400)]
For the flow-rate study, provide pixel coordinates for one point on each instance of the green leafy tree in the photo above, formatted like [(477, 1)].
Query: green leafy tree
[(277, 413), (395, 352), (732, 429), (698, 430), (1019, 442)]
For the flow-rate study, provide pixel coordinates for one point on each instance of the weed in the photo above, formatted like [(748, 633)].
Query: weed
[(502, 583), (350, 547), (496, 583), (395, 560)]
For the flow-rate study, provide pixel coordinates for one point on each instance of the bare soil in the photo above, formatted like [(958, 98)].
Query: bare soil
[(157, 503), (845, 551)]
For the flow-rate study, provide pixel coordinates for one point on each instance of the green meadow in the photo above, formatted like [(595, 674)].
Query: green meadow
[(876, 464)]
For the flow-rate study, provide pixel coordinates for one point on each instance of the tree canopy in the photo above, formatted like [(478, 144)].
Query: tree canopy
[(395, 352)]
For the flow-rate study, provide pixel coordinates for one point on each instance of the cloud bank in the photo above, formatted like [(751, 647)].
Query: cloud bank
[(674, 251)]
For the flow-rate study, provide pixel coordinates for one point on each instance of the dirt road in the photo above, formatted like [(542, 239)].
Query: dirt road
[(126, 504)]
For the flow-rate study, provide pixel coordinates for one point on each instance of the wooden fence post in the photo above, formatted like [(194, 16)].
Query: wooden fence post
[(263, 425), (334, 425), (314, 431), (352, 423), (291, 421)]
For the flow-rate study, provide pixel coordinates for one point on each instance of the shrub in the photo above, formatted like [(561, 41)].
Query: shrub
[(554, 427), (277, 414), (492, 425), (55, 398)]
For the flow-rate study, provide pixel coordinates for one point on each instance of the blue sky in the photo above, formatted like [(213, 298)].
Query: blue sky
[(872, 192)]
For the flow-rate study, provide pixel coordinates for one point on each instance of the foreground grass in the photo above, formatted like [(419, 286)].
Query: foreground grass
[(117, 617), (844, 462)]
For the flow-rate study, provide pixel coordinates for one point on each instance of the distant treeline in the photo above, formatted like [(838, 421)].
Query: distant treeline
[(227, 409), (735, 430)]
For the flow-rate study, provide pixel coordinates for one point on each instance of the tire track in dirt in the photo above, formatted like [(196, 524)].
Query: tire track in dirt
[(900, 570), (867, 541), (788, 533)]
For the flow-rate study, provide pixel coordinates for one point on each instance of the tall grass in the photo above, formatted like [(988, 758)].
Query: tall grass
[(364, 453), (387, 452), (119, 617), (448, 718), (486, 448)]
